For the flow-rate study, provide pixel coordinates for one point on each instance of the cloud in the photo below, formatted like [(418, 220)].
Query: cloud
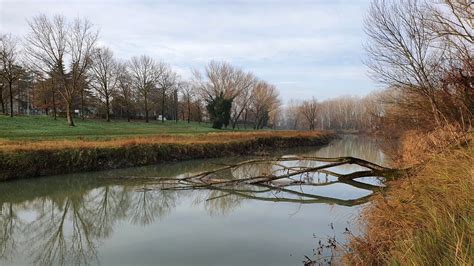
[(313, 43)]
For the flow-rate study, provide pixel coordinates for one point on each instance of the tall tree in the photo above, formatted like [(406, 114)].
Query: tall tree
[(2, 90), (188, 92), (10, 70), (166, 81), (104, 76), (52, 43), (402, 52), (125, 89), (309, 110), (145, 73), (220, 84), (264, 100), (247, 82)]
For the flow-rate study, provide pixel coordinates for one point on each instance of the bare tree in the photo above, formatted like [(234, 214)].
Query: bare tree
[(454, 19), (124, 84), (145, 73), (247, 82), (52, 42), (219, 78), (81, 42), (292, 114), (188, 92), (104, 75), (167, 80), (309, 110), (264, 100), (10, 70), (220, 84), (402, 53), (2, 92)]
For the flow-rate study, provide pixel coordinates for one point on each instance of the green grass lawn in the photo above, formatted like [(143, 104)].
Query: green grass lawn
[(43, 127)]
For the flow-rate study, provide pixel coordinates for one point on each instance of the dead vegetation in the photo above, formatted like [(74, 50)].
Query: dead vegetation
[(211, 138), (423, 218)]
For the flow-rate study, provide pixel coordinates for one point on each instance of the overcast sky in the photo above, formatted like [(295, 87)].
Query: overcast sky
[(306, 48)]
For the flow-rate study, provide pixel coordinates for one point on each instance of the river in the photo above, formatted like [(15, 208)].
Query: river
[(94, 218)]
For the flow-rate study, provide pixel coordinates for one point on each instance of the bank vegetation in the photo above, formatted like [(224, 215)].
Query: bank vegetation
[(22, 159), (423, 52)]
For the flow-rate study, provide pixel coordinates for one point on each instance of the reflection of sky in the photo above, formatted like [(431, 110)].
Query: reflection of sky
[(130, 227), (257, 233)]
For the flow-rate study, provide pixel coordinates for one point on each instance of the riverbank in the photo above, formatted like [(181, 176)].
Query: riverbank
[(25, 159), (422, 219)]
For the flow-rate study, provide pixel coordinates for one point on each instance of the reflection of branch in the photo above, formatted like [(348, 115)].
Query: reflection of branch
[(264, 173), (314, 198)]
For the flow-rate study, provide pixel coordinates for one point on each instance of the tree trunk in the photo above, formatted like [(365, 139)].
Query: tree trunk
[(54, 107), (163, 107), (146, 110), (176, 106), (82, 104), (2, 102), (245, 120), (189, 111), (70, 120), (10, 87), (128, 111), (107, 107)]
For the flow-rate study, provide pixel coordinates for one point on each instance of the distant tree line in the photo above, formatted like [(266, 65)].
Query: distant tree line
[(343, 113), (58, 69)]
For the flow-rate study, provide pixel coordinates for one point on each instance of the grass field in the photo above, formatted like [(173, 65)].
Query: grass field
[(25, 133), (38, 146), (42, 127)]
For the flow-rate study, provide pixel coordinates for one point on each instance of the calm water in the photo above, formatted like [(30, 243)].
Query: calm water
[(94, 218)]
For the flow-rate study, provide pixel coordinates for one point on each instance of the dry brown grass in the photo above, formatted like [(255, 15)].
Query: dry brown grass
[(415, 147), (29, 145), (425, 219)]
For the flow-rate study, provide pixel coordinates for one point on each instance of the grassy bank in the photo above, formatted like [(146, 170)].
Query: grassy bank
[(28, 158), (424, 219), (43, 127)]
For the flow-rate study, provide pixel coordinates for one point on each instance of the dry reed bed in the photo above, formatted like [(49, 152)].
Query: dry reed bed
[(30, 159), (424, 219), (29, 145)]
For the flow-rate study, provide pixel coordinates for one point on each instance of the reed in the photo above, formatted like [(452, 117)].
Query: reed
[(29, 159), (423, 219)]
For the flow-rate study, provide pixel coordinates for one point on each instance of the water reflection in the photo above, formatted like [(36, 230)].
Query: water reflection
[(64, 219)]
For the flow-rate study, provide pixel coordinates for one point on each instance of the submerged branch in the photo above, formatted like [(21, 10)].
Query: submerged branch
[(264, 178)]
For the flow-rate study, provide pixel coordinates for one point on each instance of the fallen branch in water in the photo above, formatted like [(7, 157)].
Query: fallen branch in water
[(275, 179)]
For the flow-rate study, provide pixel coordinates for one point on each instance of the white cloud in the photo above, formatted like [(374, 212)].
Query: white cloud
[(313, 43)]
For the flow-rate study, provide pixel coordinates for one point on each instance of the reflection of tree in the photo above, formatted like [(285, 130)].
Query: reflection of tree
[(147, 204), (108, 205), (66, 228), (220, 202), (62, 234), (10, 223)]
